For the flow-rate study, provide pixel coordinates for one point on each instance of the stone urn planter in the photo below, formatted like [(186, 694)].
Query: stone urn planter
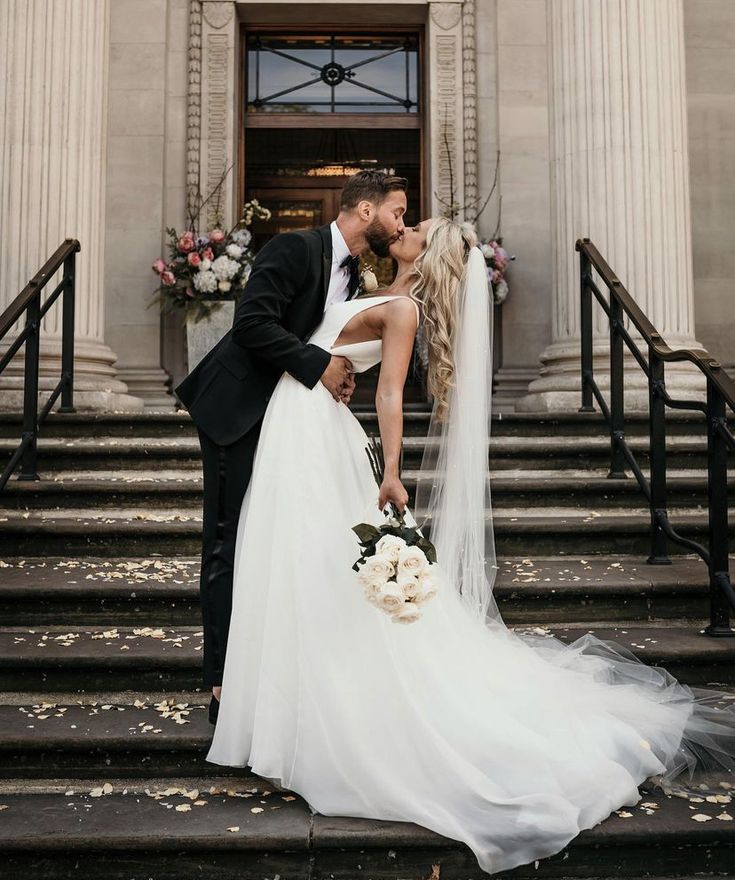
[(203, 335)]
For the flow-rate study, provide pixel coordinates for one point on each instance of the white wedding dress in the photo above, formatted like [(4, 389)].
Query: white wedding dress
[(512, 743)]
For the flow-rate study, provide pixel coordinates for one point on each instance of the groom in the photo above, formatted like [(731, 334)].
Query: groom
[(293, 280)]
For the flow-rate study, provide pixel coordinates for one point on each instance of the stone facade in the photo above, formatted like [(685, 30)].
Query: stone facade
[(162, 117)]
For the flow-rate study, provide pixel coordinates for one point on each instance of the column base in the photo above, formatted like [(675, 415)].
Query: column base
[(509, 386), (557, 389), (96, 386), (151, 384)]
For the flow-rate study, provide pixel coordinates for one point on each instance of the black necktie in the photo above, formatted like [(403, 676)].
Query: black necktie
[(353, 264)]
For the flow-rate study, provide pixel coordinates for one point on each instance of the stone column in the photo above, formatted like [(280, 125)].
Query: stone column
[(53, 127), (620, 176)]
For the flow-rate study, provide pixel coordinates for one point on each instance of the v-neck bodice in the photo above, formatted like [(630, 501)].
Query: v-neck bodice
[(363, 355)]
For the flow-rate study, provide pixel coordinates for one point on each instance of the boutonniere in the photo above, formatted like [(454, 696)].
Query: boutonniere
[(368, 281)]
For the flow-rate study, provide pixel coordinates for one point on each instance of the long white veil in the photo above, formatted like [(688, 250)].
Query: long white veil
[(453, 489)]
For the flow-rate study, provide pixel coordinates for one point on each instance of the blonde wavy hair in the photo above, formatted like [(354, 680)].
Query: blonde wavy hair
[(439, 269)]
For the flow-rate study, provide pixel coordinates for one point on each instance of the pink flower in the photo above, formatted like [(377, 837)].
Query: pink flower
[(497, 277), (208, 254), (167, 278), (186, 242), (158, 267), (216, 236), (189, 291), (194, 259)]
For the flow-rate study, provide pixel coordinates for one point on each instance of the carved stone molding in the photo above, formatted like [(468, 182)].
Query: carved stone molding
[(446, 15), (446, 103), (218, 13), (469, 86), (217, 116), (194, 104)]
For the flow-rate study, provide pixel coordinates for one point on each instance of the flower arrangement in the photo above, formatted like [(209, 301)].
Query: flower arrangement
[(496, 259), (395, 567), (204, 270)]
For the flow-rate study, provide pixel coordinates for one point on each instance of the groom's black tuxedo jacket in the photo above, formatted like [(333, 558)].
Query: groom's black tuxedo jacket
[(281, 306)]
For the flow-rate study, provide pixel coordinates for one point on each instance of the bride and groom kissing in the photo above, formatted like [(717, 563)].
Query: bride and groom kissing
[(510, 742)]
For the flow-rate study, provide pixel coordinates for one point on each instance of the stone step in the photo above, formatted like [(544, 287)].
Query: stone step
[(183, 488), (506, 452), (82, 659), (416, 420), (165, 591), (239, 828), (137, 531)]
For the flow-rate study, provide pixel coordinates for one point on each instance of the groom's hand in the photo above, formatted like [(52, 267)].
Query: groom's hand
[(348, 389), (334, 377)]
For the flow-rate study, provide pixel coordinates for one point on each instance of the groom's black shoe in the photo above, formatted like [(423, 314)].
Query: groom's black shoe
[(213, 709)]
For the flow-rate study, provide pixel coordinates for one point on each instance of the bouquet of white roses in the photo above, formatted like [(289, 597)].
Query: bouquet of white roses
[(395, 568)]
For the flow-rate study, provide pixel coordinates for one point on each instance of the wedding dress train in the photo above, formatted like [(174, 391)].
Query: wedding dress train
[(511, 743)]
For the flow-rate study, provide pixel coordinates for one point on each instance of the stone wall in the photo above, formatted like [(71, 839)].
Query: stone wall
[(710, 58)]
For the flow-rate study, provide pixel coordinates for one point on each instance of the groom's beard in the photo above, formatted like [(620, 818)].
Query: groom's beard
[(379, 239)]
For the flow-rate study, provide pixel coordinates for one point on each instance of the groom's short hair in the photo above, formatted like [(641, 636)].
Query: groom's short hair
[(371, 186)]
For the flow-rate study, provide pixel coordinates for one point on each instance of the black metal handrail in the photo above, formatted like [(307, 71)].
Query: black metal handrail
[(720, 440), (28, 302)]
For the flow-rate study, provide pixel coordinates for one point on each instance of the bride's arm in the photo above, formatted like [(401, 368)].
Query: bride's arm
[(399, 330)]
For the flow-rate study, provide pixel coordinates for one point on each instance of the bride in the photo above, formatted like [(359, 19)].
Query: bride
[(512, 743)]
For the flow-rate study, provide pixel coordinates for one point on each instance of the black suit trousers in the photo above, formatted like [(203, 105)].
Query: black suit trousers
[(226, 471)]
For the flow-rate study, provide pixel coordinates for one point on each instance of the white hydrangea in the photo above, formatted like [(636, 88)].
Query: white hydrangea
[(242, 237), (224, 268), (488, 251), (205, 282), (234, 251), (501, 291)]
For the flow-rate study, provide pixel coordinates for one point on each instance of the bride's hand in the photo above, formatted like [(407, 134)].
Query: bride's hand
[(392, 490)]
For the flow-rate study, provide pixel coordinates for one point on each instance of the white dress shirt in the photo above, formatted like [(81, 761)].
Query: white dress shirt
[(339, 277)]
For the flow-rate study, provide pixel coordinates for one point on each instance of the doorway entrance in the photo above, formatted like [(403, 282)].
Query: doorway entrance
[(319, 107)]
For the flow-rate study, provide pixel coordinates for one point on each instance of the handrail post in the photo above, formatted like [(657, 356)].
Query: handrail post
[(719, 565), (67, 335), (585, 275), (29, 469), (617, 400), (657, 454)]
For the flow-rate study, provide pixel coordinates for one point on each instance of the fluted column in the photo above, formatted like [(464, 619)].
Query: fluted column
[(53, 135), (620, 176)]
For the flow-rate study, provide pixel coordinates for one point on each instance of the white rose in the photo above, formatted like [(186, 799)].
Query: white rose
[(409, 584), (411, 560), (376, 570), (408, 614), (390, 597), (369, 281), (224, 286), (205, 265), (390, 546), (232, 250), (370, 591), (427, 589)]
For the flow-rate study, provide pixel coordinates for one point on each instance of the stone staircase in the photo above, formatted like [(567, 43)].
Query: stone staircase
[(103, 727)]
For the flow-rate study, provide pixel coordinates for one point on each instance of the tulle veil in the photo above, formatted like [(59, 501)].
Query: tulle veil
[(453, 498)]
